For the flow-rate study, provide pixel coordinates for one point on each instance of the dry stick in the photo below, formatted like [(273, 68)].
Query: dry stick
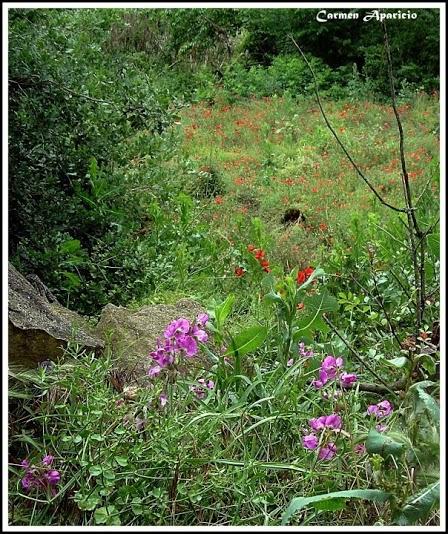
[(357, 356), (414, 229), (327, 122)]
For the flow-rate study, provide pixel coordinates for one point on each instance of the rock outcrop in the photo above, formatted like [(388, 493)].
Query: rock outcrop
[(39, 330)]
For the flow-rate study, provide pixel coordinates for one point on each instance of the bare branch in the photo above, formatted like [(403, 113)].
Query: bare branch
[(335, 135)]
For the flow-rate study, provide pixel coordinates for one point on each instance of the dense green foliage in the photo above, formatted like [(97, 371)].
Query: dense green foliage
[(90, 90), (159, 154)]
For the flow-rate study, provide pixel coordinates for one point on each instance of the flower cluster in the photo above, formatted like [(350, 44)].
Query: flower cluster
[(330, 370), (201, 390), (311, 441), (379, 411), (40, 476), (260, 255), (302, 276), (180, 337), (303, 352)]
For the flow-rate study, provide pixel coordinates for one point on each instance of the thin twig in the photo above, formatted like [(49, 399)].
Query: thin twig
[(327, 122), (357, 356)]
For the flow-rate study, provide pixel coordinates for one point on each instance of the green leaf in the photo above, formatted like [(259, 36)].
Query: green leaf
[(121, 460), (248, 340), (223, 310), (419, 505), (382, 444), (331, 505), (72, 280), (107, 515), (324, 302), (136, 506), (87, 502), (424, 401), (400, 362), (95, 470), (70, 246), (301, 502)]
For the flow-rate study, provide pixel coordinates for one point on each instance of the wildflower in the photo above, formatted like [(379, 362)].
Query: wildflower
[(347, 379), (239, 272), (202, 319), (303, 352), (381, 427), (154, 371), (250, 248), (290, 362), (53, 477), (302, 276), (332, 421), (25, 464), (310, 441), (380, 410), (189, 345), (219, 200), (199, 392), (200, 335), (177, 328), (259, 254), (330, 366), (163, 399), (327, 452), (359, 449), (300, 306), (47, 459)]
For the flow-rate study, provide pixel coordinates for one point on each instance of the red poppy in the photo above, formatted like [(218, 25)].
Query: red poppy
[(264, 263), (259, 254), (219, 200), (239, 271), (250, 248), (302, 276)]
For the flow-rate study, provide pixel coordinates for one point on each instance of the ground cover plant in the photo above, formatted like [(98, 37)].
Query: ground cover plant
[(307, 393)]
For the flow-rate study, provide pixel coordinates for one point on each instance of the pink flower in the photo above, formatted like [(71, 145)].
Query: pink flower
[(310, 441), (347, 379), (380, 410), (290, 362), (210, 384), (333, 421), (177, 328), (359, 449), (25, 464), (47, 459), (380, 427), (202, 319), (200, 335), (154, 371), (199, 392), (317, 424), (188, 344), (303, 352), (331, 365), (53, 477), (163, 399), (327, 452)]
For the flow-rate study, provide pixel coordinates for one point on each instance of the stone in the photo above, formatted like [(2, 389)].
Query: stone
[(40, 330), (132, 334)]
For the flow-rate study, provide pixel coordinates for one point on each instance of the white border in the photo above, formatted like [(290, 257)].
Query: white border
[(258, 5)]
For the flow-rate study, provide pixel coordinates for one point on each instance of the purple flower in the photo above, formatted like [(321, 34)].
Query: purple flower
[(210, 384), (359, 449), (290, 362), (163, 399), (317, 424), (303, 352), (154, 371), (380, 410), (28, 481), (200, 335), (331, 365), (25, 464), (47, 459), (188, 344), (310, 441), (163, 356), (199, 392), (333, 421), (347, 379), (202, 319), (381, 427), (53, 477), (177, 328), (327, 452)]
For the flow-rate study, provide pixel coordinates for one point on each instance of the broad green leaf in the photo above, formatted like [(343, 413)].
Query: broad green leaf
[(400, 362), (87, 502), (382, 444), (72, 280), (424, 401), (248, 340), (434, 244), (419, 506), (121, 460), (95, 470), (324, 302), (301, 502), (107, 515), (223, 310), (331, 505)]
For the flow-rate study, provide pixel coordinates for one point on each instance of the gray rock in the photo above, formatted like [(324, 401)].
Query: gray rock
[(39, 330), (132, 334)]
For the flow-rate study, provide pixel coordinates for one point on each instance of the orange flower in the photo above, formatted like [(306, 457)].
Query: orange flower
[(219, 200), (239, 272)]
